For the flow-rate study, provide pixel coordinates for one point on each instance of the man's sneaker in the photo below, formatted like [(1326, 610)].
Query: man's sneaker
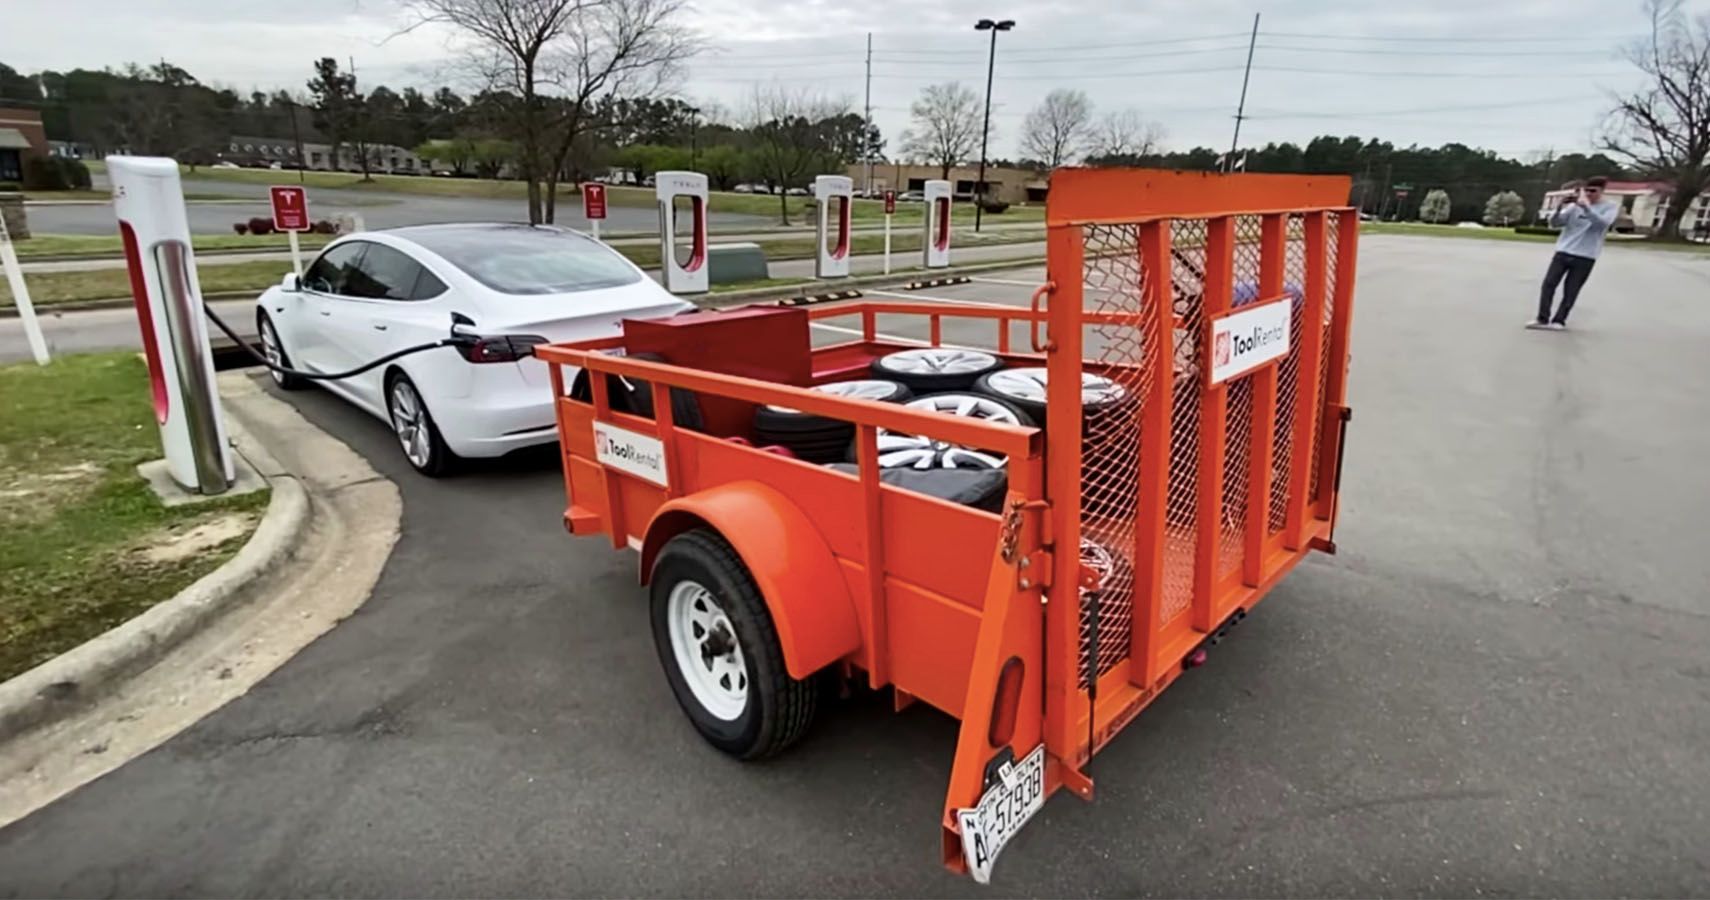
[(1538, 324), (1558, 326)]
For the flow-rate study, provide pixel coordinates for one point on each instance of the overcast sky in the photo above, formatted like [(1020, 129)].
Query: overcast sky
[(1515, 76)]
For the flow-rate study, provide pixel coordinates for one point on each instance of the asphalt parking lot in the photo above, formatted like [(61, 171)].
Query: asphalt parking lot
[(1501, 685)]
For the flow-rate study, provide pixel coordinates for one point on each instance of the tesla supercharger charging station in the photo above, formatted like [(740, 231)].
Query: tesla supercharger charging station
[(936, 239), (687, 276), (149, 202), (835, 195)]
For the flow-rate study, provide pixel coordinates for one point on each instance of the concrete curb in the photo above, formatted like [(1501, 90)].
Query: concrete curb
[(70, 681), (731, 298)]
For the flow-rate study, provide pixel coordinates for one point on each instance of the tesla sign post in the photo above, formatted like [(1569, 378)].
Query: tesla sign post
[(890, 207), (594, 205), (291, 215)]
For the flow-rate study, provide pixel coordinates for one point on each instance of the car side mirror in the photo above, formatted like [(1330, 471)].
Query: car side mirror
[(291, 283)]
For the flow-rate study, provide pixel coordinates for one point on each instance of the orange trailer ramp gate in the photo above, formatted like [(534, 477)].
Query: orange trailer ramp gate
[(1209, 492)]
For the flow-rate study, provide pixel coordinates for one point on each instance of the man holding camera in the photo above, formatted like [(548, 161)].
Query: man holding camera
[(1584, 219)]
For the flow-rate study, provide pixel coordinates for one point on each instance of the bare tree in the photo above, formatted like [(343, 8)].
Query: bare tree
[(1124, 137), (610, 47), (789, 140), (1664, 129), (944, 127), (1056, 131), (507, 43)]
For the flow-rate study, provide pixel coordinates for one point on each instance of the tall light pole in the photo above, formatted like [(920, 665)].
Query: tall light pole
[(986, 127), (694, 138)]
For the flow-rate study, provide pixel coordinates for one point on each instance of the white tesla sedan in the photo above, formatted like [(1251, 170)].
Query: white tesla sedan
[(506, 287)]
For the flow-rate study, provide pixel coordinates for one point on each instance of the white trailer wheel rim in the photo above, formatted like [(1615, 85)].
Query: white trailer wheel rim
[(863, 388), (1029, 383), (707, 652), (938, 361)]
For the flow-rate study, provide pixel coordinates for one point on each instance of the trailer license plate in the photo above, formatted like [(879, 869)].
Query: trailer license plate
[(1005, 807)]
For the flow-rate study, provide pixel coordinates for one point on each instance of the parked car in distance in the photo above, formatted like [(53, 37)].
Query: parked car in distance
[(913, 196), (500, 288)]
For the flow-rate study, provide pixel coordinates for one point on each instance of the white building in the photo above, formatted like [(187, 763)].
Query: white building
[(1643, 206), (255, 151)]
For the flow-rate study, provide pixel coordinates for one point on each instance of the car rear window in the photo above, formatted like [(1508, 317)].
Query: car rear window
[(524, 260)]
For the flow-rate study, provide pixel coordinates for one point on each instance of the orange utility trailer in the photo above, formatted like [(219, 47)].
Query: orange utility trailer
[(1125, 542)]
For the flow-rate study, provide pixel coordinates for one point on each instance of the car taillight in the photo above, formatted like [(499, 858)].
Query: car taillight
[(500, 348)]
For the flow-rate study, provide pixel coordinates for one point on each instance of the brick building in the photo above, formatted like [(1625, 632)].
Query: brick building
[(21, 137)]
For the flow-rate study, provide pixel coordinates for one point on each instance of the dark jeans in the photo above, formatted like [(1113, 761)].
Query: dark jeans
[(1576, 269)]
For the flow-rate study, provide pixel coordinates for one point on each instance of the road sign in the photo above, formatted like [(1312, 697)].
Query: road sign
[(890, 202), (593, 201), (290, 208)]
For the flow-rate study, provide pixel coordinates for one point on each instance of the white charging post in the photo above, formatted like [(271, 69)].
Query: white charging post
[(21, 296), (834, 195), (148, 199), (935, 240), (688, 276), (890, 209)]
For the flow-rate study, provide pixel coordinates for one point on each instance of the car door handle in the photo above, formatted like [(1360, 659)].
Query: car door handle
[(326, 312), (379, 327)]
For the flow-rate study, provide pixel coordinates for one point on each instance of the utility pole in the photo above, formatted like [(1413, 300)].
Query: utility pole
[(986, 128), (1241, 108), (866, 144)]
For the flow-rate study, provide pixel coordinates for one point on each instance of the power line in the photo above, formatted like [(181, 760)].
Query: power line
[(1378, 73), (1543, 101), (1436, 39), (1385, 51)]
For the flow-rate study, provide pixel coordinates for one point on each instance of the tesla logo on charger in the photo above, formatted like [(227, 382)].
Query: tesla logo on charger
[(1246, 340), (641, 455)]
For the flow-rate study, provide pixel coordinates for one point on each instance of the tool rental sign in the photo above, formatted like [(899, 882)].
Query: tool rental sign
[(1247, 339)]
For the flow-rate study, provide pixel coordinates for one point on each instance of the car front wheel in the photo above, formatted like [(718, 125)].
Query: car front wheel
[(414, 426), (273, 350)]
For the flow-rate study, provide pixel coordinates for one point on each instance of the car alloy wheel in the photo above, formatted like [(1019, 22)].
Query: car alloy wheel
[(410, 422), (922, 452)]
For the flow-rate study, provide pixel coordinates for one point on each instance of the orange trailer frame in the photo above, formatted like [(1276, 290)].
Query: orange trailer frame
[(1209, 492)]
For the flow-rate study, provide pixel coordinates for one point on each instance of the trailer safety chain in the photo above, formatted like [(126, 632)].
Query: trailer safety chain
[(453, 341)]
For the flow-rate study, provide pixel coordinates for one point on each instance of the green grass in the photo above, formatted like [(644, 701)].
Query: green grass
[(99, 246), (74, 513), (49, 289), (105, 196)]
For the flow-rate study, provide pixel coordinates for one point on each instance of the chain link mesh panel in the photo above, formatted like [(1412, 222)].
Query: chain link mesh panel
[(1288, 369), (1114, 283), (1238, 423), (1181, 537), (1333, 226)]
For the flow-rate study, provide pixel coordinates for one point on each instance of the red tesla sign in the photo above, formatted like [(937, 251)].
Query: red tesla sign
[(290, 208), (890, 202), (593, 201)]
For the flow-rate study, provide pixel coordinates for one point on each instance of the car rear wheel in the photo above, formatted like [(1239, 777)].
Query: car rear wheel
[(917, 451), (274, 351), (417, 434), (720, 649)]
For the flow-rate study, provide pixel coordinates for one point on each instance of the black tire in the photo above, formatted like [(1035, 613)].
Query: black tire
[(617, 394), (284, 380), (438, 460), (1032, 401), (817, 438), (890, 366), (777, 709), (685, 406)]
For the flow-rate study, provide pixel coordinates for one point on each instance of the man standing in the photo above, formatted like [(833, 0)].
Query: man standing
[(1584, 219)]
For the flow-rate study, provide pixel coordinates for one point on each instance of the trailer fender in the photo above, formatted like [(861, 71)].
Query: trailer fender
[(789, 559)]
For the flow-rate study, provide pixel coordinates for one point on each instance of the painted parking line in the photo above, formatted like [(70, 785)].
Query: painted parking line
[(880, 335), (1012, 281), (931, 299)]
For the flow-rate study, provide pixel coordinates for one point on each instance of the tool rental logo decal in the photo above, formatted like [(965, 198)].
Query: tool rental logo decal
[(641, 455), (1246, 340)]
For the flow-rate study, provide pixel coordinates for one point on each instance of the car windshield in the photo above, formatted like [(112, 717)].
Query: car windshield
[(523, 260)]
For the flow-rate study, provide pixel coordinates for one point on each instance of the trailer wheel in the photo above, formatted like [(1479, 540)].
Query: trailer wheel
[(720, 649)]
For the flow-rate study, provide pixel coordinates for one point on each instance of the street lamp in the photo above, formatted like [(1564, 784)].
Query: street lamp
[(986, 127), (694, 142)]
